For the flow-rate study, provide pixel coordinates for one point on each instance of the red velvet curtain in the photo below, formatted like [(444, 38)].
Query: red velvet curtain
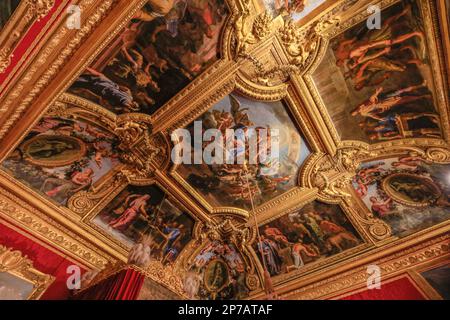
[(125, 285), (400, 289)]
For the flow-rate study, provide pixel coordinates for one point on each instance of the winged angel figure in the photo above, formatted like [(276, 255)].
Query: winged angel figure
[(253, 178)]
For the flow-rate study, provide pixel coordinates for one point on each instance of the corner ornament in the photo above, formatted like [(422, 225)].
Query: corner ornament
[(227, 231)]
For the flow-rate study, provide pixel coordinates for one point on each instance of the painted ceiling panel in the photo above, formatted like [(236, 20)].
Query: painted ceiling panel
[(155, 57), (7, 8)]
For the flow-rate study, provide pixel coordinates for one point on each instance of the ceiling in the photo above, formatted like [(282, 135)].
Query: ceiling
[(89, 119)]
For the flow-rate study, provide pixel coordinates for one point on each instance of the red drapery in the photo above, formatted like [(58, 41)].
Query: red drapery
[(400, 289), (124, 285)]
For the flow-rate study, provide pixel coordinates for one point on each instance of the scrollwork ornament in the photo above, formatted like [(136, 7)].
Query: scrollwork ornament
[(80, 203), (252, 282), (380, 230), (40, 8), (84, 201)]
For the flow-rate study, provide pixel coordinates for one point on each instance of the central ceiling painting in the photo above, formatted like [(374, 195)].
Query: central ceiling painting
[(236, 185), (156, 56)]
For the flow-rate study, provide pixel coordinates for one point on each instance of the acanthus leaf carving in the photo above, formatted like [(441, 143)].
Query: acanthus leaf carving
[(40, 8), (249, 30)]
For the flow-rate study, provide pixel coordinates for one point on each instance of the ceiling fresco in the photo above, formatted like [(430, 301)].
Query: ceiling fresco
[(146, 212), (407, 192), (314, 232), (7, 8), (360, 118), (60, 157)]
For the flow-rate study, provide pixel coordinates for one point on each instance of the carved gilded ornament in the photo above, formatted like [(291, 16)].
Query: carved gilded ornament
[(40, 8), (14, 263), (144, 140)]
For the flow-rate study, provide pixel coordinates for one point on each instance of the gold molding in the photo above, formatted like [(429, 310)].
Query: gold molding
[(14, 263), (25, 15), (37, 223), (289, 54)]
